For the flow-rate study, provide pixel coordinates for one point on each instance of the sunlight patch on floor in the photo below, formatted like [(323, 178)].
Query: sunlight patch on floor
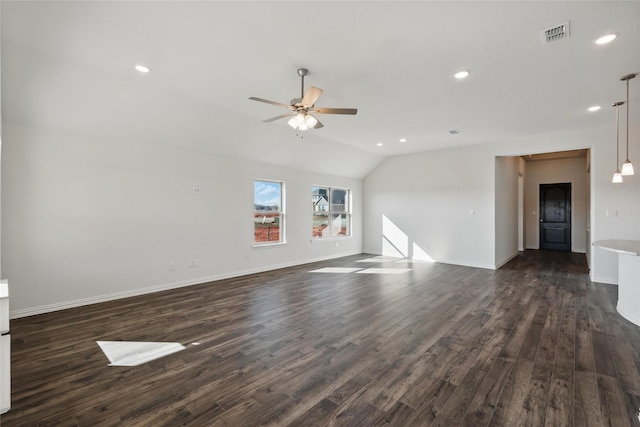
[(384, 271), (135, 353), (381, 259), (335, 270)]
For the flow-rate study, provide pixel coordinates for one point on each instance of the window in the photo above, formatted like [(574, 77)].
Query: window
[(331, 212), (268, 212)]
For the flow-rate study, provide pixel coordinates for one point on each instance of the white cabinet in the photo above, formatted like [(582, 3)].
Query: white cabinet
[(628, 276), (5, 373), (5, 349)]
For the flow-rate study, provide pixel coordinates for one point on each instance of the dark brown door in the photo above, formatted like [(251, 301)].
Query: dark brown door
[(555, 217)]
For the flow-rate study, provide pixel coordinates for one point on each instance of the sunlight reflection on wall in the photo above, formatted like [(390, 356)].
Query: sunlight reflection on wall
[(395, 242)]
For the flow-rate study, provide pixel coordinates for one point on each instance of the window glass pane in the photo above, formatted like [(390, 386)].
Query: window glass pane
[(267, 227), (331, 212), (267, 196), (321, 225), (339, 200), (268, 215), (340, 225), (320, 199)]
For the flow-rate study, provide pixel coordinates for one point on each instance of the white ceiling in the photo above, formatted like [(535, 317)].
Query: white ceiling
[(69, 65)]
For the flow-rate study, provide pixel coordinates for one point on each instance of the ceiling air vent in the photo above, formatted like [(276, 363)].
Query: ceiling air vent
[(555, 33)]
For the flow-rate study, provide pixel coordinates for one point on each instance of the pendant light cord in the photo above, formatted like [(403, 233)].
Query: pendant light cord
[(618, 136), (627, 120)]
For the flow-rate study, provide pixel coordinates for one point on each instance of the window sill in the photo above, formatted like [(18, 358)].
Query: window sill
[(268, 245), (329, 239)]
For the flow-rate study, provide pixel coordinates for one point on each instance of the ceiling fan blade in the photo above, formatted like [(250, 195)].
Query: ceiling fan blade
[(311, 96), (266, 101), (350, 111), (281, 116)]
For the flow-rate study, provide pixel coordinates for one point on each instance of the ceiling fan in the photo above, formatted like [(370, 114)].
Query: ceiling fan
[(301, 108)]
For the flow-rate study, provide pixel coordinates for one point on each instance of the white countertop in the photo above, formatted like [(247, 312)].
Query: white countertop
[(629, 247)]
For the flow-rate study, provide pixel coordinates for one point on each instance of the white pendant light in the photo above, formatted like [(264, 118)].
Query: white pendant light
[(617, 176), (627, 167)]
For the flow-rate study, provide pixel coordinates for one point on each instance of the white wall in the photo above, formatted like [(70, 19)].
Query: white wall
[(430, 202), (506, 200), (574, 171), (85, 221), (621, 201), (437, 205)]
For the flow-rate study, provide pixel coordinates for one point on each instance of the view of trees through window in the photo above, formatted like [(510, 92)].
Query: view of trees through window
[(331, 212), (268, 212)]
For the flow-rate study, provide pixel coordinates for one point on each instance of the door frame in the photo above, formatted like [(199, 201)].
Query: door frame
[(521, 217)]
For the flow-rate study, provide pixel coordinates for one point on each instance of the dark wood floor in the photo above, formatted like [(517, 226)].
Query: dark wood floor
[(534, 343)]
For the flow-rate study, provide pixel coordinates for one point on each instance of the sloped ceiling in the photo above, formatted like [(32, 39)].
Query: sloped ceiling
[(69, 66)]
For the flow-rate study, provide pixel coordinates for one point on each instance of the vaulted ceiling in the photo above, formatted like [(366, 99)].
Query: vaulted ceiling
[(70, 66)]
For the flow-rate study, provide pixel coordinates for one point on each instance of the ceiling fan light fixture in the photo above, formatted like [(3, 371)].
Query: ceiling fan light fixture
[(303, 127), (293, 122), (310, 121)]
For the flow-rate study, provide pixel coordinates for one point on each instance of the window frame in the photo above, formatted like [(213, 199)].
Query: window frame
[(280, 213), (330, 212)]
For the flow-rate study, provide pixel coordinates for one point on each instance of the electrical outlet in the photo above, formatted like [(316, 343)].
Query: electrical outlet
[(196, 191)]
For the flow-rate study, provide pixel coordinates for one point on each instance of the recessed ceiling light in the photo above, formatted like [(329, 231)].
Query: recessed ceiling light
[(461, 74), (403, 139), (608, 38), (594, 108), (379, 144), (142, 68)]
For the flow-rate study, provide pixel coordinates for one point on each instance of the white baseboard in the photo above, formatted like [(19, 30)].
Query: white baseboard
[(48, 308), (602, 279), (506, 260), (467, 264), (631, 317)]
